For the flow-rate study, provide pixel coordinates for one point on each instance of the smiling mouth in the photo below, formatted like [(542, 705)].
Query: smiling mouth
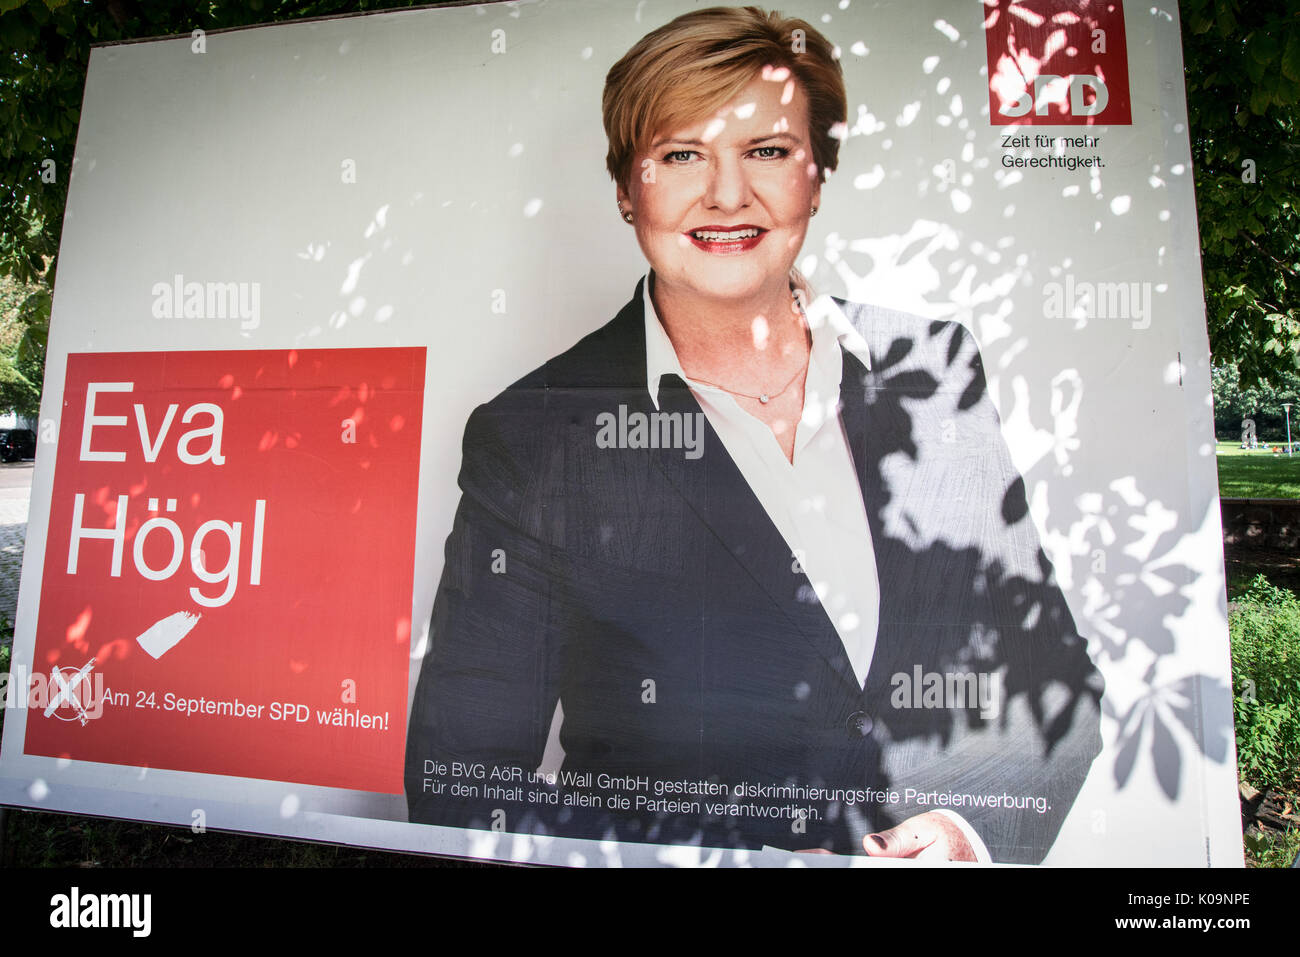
[(739, 239), (726, 236)]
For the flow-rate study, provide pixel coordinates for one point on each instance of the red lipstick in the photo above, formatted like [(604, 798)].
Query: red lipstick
[(726, 240)]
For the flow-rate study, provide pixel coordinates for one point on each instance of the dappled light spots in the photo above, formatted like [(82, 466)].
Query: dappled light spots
[(76, 632), (116, 649)]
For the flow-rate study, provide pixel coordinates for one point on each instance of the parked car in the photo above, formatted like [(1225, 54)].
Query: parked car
[(17, 444)]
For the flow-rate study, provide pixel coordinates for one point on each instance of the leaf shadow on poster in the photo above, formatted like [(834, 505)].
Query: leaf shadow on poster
[(1129, 548)]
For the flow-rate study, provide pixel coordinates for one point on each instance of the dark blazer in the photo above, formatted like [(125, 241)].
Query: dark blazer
[(651, 595)]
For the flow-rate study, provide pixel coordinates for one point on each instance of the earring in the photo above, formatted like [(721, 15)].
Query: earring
[(814, 211), (627, 215)]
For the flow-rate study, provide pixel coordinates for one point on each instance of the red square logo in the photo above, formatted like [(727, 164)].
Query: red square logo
[(1057, 63), (228, 571)]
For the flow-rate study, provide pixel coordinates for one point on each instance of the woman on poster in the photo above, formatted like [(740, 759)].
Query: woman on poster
[(766, 551)]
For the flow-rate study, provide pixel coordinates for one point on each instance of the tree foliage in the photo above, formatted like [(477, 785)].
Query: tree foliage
[(1261, 401), (22, 351), (1242, 61)]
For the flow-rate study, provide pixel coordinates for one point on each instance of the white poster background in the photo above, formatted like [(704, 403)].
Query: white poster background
[(481, 223)]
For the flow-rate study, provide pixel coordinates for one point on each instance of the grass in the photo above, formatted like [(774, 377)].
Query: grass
[(1257, 474), (1272, 851)]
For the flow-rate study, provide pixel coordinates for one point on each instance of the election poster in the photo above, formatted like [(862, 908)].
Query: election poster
[(658, 433)]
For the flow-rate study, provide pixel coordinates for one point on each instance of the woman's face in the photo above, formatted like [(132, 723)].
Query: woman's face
[(721, 207)]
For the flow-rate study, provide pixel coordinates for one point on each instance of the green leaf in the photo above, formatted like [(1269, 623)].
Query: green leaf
[(1255, 69), (31, 347), (1291, 56), (35, 308), (1226, 22), (1263, 47)]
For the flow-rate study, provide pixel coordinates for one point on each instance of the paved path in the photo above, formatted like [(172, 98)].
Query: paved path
[(15, 496)]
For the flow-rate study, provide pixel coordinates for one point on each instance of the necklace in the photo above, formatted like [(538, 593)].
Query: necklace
[(764, 397)]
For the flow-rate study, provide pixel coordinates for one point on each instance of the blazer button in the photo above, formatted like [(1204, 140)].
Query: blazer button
[(806, 594), (859, 724)]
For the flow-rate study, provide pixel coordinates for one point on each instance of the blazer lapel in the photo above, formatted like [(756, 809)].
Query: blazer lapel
[(878, 426), (717, 492), (864, 425)]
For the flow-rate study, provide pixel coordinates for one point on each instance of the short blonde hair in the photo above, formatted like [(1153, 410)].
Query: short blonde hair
[(697, 63)]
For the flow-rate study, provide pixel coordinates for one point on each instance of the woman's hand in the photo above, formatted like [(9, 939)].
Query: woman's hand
[(926, 837), (931, 836)]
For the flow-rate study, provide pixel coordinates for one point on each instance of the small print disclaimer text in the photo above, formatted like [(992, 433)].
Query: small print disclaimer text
[(632, 793)]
